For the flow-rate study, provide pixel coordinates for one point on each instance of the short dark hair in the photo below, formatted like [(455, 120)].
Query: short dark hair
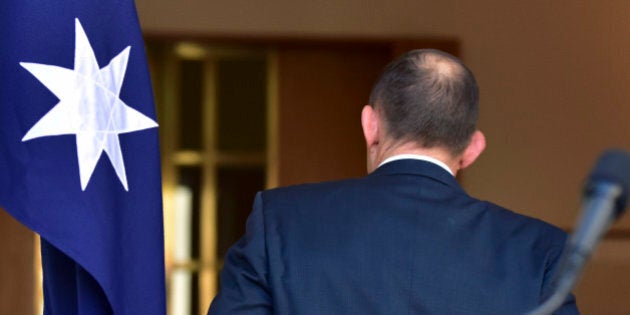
[(430, 97)]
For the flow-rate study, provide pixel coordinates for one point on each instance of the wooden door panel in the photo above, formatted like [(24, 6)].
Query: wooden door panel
[(321, 93), (322, 89)]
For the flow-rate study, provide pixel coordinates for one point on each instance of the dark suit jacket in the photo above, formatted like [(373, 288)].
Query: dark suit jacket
[(405, 239)]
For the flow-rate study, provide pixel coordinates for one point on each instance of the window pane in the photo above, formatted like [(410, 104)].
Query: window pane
[(190, 107), (180, 292), (236, 187), (194, 301), (190, 177), (184, 280), (242, 95)]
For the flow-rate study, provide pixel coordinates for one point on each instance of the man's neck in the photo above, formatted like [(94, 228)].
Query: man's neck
[(410, 149), (425, 158)]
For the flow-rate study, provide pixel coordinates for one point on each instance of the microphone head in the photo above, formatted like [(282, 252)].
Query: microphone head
[(613, 167)]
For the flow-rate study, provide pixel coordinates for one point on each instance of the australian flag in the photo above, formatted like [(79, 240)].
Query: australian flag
[(79, 156)]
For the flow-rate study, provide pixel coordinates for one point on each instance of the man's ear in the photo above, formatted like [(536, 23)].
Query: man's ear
[(474, 149), (370, 124)]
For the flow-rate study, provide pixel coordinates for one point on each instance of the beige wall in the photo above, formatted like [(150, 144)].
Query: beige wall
[(555, 80), (554, 76), (291, 17)]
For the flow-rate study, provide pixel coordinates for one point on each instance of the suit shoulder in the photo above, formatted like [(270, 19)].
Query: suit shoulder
[(310, 199), (525, 224), (310, 190)]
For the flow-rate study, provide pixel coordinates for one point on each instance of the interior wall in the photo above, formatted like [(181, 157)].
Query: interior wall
[(554, 78), (361, 18)]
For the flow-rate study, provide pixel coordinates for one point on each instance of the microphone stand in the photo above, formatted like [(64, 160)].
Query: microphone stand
[(592, 226)]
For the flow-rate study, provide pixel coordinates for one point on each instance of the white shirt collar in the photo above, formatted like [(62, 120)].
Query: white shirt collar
[(418, 157)]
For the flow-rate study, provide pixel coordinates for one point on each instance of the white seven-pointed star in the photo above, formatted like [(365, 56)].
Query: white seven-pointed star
[(89, 107)]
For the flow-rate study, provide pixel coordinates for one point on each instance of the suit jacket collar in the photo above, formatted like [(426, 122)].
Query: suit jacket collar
[(417, 167)]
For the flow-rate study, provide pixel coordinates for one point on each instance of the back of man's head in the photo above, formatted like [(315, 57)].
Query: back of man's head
[(429, 97)]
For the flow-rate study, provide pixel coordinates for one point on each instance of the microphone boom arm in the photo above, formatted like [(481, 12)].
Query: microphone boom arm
[(595, 220)]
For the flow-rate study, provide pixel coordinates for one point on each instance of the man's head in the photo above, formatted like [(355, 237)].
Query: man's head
[(426, 101)]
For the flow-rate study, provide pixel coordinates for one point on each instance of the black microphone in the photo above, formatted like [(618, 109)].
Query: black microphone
[(604, 199)]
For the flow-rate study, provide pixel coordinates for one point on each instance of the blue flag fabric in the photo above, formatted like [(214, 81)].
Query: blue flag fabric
[(79, 156)]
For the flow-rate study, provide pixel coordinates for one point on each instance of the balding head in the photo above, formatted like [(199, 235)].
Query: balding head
[(440, 67), (428, 97)]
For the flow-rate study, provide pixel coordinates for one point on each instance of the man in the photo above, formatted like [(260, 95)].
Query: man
[(406, 239)]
